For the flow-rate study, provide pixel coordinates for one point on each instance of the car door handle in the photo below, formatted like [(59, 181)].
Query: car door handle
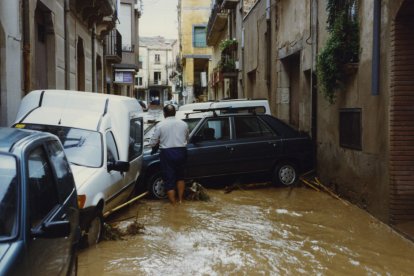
[(272, 143), (230, 148)]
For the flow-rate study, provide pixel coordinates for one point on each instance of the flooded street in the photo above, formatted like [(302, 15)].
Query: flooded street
[(267, 231)]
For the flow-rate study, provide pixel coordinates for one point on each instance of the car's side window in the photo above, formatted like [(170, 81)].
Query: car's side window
[(42, 192), (215, 129), (248, 127), (111, 148), (135, 139), (62, 170)]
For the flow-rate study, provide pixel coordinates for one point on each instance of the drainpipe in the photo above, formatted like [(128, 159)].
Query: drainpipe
[(93, 38), (314, 90), (67, 45), (26, 47), (376, 48), (268, 45)]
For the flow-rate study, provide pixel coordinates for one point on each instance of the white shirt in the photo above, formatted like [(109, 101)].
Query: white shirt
[(170, 133)]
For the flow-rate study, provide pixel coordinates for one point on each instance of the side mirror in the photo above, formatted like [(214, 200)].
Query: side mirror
[(119, 166), (54, 229), (196, 138)]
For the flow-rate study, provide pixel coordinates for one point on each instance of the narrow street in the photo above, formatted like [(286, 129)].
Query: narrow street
[(261, 231)]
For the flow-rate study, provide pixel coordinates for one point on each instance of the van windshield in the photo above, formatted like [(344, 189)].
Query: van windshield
[(8, 196), (82, 147)]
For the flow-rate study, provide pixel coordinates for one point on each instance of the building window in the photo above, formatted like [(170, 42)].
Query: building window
[(350, 130), (139, 81), (157, 58), (157, 77), (199, 37)]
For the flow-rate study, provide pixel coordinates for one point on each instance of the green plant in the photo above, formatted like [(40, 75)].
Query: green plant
[(227, 44), (342, 47), (227, 64)]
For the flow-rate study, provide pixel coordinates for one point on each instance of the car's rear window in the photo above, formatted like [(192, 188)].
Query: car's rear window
[(8, 196), (82, 147)]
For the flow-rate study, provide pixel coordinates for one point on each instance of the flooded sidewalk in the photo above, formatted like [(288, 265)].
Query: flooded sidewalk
[(267, 231)]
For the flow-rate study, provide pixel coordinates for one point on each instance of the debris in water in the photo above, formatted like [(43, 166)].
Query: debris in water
[(197, 192), (118, 230)]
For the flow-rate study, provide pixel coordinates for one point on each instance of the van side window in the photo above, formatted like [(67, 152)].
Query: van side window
[(111, 148), (42, 192), (62, 170), (135, 139)]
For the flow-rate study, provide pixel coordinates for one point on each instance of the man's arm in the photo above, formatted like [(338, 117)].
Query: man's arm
[(155, 138)]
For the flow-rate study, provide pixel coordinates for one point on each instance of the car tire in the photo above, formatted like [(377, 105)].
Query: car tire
[(285, 174), (95, 230), (155, 186)]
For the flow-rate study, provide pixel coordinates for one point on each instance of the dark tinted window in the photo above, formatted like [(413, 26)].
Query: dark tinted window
[(215, 129), (111, 149), (65, 184), (42, 191), (135, 139), (350, 134), (8, 195), (248, 127)]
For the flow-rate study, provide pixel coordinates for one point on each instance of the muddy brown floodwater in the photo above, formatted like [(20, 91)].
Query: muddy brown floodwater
[(267, 231)]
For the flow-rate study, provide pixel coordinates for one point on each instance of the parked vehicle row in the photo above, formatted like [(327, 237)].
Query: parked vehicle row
[(72, 156)]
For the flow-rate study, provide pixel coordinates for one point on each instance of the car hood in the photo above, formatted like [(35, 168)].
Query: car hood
[(3, 249), (82, 174)]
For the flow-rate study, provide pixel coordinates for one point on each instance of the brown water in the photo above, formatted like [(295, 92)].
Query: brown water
[(269, 231)]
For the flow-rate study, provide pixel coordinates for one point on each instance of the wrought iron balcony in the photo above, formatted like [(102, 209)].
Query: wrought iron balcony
[(157, 82), (113, 50), (95, 11), (216, 24)]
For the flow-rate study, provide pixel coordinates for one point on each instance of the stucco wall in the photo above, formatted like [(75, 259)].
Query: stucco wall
[(254, 55), (10, 61), (361, 175)]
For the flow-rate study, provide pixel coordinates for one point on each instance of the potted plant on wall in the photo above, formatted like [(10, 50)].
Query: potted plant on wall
[(228, 45)]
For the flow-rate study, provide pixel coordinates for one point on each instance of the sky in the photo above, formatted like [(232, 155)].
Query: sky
[(159, 17)]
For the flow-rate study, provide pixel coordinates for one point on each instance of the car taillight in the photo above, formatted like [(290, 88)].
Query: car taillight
[(81, 201)]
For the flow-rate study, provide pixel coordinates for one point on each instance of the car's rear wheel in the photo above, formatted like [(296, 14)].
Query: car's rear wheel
[(155, 185), (285, 174), (95, 230)]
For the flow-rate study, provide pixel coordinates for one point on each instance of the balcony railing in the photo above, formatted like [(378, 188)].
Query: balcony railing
[(114, 46), (216, 23), (158, 82)]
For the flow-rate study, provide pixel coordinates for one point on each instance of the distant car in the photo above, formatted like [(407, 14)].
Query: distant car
[(103, 138), (39, 216), (237, 144)]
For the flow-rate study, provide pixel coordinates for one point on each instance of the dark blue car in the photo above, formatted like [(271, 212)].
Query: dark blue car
[(238, 143), (39, 216)]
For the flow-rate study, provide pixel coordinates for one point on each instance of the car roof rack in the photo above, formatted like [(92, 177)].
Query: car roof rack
[(228, 109)]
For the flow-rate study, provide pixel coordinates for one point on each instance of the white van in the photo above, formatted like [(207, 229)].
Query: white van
[(103, 139), (260, 105)]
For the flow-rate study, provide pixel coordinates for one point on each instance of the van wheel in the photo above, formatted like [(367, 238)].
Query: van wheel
[(155, 185), (285, 174), (95, 230)]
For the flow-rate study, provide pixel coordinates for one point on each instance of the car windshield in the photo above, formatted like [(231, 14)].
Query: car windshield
[(82, 147), (8, 196)]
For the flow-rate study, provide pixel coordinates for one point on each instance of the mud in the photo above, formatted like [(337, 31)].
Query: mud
[(267, 231)]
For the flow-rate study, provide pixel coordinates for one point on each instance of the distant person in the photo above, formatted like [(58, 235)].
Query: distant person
[(171, 135)]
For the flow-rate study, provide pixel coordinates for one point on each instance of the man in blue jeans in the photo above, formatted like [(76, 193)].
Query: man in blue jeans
[(172, 136)]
